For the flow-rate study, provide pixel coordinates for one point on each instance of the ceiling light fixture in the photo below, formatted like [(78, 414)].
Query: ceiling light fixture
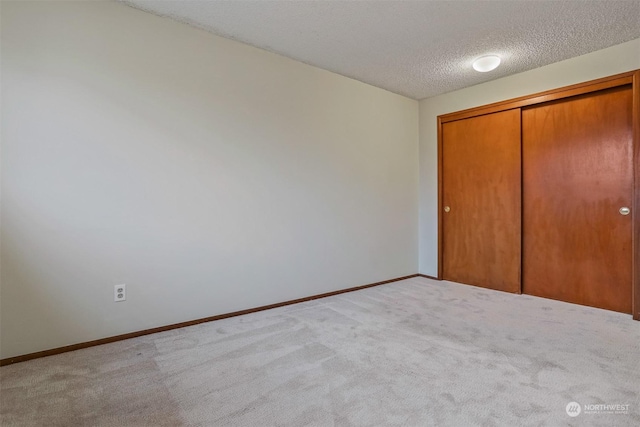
[(486, 63)]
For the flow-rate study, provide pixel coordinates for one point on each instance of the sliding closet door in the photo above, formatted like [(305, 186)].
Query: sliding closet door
[(481, 200), (577, 182)]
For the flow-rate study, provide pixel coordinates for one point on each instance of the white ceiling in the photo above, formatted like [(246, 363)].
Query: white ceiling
[(415, 48)]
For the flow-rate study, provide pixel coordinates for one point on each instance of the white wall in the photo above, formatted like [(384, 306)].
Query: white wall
[(207, 175), (613, 60)]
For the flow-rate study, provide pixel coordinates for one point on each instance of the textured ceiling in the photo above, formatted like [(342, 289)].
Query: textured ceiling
[(415, 48)]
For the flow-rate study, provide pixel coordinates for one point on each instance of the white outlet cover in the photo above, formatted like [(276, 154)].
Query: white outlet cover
[(119, 293)]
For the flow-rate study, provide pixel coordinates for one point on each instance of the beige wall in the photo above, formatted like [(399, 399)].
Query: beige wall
[(613, 60), (207, 175)]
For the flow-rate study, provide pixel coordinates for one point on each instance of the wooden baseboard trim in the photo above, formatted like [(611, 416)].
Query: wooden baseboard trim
[(428, 277), (59, 350)]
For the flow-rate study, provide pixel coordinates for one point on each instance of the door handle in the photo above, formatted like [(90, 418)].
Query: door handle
[(624, 210), (447, 208)]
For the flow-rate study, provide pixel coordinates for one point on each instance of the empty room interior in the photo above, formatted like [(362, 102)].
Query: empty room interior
[(320, 213)]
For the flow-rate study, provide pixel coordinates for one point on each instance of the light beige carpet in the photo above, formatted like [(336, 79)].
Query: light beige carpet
[(411, 353)]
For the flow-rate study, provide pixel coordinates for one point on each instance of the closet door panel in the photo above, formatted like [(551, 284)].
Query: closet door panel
[(577, 175), (481, 216)]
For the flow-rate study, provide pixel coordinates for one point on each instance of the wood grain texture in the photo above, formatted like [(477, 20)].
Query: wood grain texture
[(577, 173), (440, 203), (636, 196), (481, 178), (541, 97)]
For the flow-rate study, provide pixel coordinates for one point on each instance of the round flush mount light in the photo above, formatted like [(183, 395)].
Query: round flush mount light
[(486, 63)]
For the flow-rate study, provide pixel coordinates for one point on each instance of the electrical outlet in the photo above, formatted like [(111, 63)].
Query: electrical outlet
[(119, 293)]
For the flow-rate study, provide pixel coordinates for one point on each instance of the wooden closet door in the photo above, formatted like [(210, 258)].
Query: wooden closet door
[(481, 184), (577, 174)]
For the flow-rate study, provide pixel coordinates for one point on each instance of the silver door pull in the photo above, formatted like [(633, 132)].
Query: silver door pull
[(447, 208), (624, 210)]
